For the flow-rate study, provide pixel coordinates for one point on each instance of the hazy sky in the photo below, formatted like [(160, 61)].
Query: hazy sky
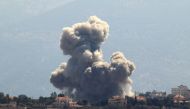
[(152, 33)]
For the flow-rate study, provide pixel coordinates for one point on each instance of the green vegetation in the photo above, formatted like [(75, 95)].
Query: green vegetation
[(23, 100)]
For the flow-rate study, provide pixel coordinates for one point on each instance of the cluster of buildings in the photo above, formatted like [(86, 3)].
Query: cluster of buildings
[(151, 95), (181, 94), (11, 105), (156, 94), (122, 101), (62, 102)]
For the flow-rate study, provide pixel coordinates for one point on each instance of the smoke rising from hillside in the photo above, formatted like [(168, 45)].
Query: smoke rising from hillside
[(86, 75)]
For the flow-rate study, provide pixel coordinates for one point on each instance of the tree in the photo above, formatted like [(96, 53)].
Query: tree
[(53, 95), (7, 98), (131, 101), (22, 99), (42, 100), (2, 97), (82, 102), (61, 95)]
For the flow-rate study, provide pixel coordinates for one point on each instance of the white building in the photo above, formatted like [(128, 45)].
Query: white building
[(117, 100), (156, 94)]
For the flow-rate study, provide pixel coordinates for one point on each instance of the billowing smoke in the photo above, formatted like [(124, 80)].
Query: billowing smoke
[(86, 75)]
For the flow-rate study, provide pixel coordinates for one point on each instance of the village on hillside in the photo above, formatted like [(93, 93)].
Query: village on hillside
[(178, 99)]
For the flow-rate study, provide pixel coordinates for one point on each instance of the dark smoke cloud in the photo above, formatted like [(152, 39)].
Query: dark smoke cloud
[(86, 75)]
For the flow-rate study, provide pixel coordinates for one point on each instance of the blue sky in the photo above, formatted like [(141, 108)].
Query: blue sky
[(152, 33)]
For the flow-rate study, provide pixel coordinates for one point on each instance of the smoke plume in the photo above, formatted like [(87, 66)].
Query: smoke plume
[(86, 75)]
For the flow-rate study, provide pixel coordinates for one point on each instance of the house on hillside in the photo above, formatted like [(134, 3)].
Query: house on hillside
[(181, 90), (156, 94), (141, 98), (117, 100), (179, 98), (64, 102)]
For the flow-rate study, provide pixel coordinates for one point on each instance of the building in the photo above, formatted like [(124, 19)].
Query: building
[(181, 90), (11, 105), (179, 99), (156, 94), (64, 102), (74, 105), (117, 100), (141, 98)]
